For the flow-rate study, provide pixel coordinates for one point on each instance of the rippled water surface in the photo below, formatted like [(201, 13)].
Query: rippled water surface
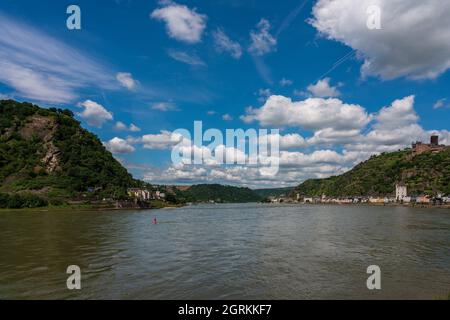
[(249, 251)]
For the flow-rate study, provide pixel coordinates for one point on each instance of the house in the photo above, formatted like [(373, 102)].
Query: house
[(308, 200), (376, 200), (407, 200), (141, 194), (423, 199)]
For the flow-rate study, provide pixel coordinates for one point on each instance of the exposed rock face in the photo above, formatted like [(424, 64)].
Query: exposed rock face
[(44, 129), (51, 158), (38, 126)]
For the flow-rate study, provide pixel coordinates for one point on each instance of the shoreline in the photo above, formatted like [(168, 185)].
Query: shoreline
[(86, 208), (114, 208), (421, 206)]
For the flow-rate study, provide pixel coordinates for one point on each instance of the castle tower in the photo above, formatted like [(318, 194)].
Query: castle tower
[(401, 192), (434, 141)]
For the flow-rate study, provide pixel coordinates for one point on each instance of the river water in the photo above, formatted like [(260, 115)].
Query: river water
[(245, 251)]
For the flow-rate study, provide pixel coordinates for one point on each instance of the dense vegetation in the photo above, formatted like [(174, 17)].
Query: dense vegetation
[(17, 201), (427, 173), (46, 151), (217, 193), (273, 192)]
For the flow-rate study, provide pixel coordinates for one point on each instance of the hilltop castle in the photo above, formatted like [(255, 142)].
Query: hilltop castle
[(433, 146)]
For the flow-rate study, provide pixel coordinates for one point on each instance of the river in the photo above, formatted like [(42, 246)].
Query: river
[(229, 251)]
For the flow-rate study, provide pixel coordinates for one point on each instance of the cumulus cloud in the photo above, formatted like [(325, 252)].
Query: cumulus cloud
[(322, 89), (333, 148), (396, 125), (261, 41), (224, 44), (119, 146), (331, 137), (310, 114), (126, 80), (94, 114), (412, 42), (399, 114), (122, 126), (134, 128), (161, 141), (187, 58), (289, 141), (182, 23)]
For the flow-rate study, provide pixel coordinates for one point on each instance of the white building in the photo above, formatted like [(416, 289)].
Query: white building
[(141, 194), (308, 200), (401, 192)]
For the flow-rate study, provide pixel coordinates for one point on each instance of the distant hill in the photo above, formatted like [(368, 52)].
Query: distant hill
[(47, 152), (217, 193), (427, 173), (273, 192)]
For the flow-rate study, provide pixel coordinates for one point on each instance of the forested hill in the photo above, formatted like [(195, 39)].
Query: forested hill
[(46, 151), (273, 192), (217, 193), (427, 173)]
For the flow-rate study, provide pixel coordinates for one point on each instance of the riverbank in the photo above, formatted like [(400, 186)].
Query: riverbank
[(94, 207), (408, 205), (164, 205)]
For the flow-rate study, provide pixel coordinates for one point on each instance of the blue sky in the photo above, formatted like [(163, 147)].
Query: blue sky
[(309, 68)]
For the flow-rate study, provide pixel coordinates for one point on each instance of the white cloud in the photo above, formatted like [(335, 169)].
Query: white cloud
[(94, 113), (399, 114), (162, 141), (262, 42), (289, 141), (211, 113), (285, 82), (182, 23), (331, 150), (164, 106), (227, 117), (310, 114), (412, 42), (126, 80), (134, 128), (322, 89), (225, 44), (118, 145), (331, 137), (44, 69), (122, 126), (191, 59)]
